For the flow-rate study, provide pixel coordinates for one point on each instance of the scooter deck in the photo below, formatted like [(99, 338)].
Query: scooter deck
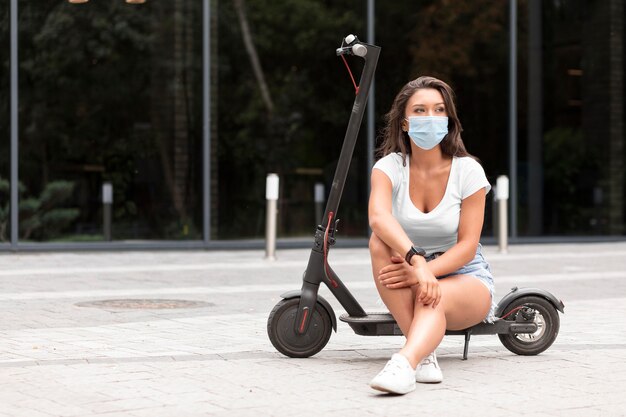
[(383, 324), (373, 324)]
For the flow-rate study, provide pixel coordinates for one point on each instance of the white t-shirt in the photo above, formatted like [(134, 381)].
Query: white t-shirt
[(437, 230)]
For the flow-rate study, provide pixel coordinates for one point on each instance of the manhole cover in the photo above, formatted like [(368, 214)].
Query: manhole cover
[(144, 304)]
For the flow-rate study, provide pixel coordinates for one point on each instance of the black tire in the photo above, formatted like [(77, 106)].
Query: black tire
[(547, 319), (281, 330)]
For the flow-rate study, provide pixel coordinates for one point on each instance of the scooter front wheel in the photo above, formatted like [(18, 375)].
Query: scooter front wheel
[(283, 335), (541, 312)]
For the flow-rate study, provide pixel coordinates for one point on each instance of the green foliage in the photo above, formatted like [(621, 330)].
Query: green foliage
[(41, 217), (463, 42), (565, 155), (570, 170), (97, 79), (106, 91), (311, 91)]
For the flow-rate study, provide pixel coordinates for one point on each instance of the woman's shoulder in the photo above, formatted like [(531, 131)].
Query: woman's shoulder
[(468, 163), (391, 160), (392, 165), (394, 156)]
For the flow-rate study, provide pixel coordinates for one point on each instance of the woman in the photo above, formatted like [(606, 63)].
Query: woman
[(426, 212)]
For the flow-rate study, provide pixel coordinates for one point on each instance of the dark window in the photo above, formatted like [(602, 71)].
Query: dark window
[(110, 93), (5, 124)]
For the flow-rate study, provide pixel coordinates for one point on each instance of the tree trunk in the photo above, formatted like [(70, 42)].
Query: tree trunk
[(254, 58)]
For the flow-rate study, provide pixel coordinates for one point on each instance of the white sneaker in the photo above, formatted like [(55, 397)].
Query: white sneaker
[(428, 370), (397, 377)]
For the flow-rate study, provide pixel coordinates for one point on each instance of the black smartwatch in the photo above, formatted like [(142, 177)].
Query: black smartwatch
[(415, 250)]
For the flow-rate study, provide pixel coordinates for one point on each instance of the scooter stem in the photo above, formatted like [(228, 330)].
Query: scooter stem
[(354, 124), (315, 273)]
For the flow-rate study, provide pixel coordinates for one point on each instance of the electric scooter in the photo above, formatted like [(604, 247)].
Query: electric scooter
[(301, 323)]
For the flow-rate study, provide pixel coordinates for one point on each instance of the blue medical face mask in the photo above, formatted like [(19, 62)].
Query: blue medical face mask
[(427, 131)]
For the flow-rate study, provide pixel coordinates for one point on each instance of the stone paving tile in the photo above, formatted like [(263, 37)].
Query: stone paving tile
[(59, 359)]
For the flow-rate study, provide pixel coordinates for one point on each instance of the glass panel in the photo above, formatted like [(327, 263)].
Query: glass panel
[(297, 129), (578, 135), (466, 45), (301, 134), (5, 125), (110, 93)]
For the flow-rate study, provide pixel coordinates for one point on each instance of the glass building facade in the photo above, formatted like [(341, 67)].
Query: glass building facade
[(154, 124)]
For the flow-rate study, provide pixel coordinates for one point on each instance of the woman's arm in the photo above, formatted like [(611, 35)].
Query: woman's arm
[(382, 222), (470, 226), (398, 274), (387, 228)]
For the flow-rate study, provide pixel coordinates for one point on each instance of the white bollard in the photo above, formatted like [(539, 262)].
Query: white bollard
[(107, 202), (318, 196), (502, 195), (271, 195)]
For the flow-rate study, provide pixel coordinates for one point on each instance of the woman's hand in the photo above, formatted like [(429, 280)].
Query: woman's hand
[(428, 290), (400, 274)]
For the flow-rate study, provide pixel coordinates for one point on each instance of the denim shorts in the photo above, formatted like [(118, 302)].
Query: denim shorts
[(478, 268)]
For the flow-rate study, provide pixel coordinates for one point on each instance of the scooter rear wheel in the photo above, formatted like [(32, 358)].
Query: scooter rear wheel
[(282, 332), (545, 316)]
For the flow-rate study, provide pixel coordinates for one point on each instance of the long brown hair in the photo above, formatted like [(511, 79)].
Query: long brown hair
[(396, 140)]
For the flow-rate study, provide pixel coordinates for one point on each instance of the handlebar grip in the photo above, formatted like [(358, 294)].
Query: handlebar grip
[(352, 46), (359, 50)]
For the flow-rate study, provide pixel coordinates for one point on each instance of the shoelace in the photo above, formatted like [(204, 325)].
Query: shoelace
[(393, 367)]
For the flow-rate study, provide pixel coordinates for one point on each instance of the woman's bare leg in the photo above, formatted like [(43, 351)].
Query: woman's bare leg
[(465, 301), (400, 302), (425, 333)]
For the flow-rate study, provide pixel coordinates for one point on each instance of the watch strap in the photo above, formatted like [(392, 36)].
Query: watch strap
[(414, 250)]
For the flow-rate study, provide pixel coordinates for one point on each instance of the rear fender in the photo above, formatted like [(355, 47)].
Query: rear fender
[(523, 292)]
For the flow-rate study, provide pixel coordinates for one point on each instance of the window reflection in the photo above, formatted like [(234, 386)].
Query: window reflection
[(5, 125), (109, 93)]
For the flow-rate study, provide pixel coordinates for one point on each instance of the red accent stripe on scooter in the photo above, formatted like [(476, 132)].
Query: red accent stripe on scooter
[(306, 313)]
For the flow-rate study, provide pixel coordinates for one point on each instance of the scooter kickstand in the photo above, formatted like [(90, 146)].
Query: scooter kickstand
[(468, 334)]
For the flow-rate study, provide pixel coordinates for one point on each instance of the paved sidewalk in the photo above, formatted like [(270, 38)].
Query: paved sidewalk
[(62, 356)]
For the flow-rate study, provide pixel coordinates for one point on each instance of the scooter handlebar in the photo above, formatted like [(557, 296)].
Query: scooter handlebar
[(351, 46)]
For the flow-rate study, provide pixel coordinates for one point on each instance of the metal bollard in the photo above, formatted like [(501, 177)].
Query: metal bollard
[(107, 202), (502, 195), (271, 195), (318, 196)]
